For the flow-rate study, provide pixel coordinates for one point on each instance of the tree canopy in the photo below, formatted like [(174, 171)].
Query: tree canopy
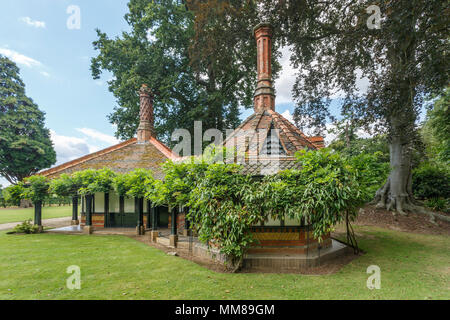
[(25, 144), (189, 84), (402, 56)]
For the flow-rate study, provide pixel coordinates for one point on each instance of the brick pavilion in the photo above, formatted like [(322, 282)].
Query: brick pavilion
[(268, 141)]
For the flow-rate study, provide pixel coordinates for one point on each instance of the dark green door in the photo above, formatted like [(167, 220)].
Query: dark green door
[(122, 220)]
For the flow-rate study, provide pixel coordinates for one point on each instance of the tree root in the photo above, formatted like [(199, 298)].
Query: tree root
[(403, 204)]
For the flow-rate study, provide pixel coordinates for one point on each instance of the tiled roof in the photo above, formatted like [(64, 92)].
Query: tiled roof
[(250, 137), (123, 157), (262, 167)]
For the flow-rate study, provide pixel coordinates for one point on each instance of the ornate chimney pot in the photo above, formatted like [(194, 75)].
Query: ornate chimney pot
[(146, 128), (264, 93)]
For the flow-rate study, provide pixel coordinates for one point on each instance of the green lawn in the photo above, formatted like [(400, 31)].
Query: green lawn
[(413, 266), (20, 215)]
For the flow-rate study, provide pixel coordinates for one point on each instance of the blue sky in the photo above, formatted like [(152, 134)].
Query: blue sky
[(55, 66), (54, 63)]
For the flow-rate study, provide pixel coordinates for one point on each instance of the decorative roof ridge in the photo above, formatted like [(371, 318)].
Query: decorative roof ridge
[(286, 122), (249, 118), (163, 148)]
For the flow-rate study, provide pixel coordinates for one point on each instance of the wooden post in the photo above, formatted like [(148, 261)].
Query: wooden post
[(75, 220), (154, 233), (88, 227), (38, 215), (149, 210), (187, 223), (155, 218), (139, 207), (106, 210), (173, 224)]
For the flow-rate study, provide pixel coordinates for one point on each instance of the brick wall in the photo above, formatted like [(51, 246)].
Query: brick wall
[(286, 240), (181, 222), (98, 220)]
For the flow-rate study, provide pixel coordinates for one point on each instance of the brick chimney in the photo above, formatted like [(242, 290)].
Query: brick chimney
[(264, 94), (146, 128)]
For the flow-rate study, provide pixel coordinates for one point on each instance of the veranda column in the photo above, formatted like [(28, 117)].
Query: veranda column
[(149, 215), (38, 215), (106, 211), (75, 220), (88, 227), (173, 223), (186, 222), (154, 233), (140, 229)]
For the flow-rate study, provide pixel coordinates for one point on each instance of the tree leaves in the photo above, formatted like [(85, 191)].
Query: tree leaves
[(25, 144)]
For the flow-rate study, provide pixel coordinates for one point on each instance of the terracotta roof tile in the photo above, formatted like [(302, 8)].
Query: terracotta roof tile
[(122, 157)]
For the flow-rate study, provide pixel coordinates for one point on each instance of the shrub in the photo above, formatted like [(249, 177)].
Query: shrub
[(13, 194), (431, 181), (224, 203), (25, 227), (372, 172), (2, 197), (221, 212), (438, 204)]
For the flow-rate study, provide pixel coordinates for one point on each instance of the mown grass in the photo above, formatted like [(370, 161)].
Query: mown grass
[(19, 215), (413, 266)]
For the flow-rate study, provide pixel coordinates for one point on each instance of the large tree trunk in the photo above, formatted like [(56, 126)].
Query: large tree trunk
[(396, 194)]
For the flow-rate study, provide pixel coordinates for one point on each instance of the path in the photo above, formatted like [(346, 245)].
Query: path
[(52, 223)]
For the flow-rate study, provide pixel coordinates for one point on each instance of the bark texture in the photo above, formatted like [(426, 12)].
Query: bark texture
[(396, 194)]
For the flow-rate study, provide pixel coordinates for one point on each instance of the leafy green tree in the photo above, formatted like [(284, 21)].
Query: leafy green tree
[(404, 60), (157, 52), (13, 194), (36, 189), (403, 57), (436, 130), (2, 197), (25, 145)]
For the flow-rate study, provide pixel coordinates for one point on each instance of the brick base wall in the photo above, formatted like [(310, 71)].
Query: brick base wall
[(181, 222), (286, 240), (98, 220)]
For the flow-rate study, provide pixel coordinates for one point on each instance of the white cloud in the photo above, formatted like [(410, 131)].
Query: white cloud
[(70, 148), (20, 58), (45, 74), (287, 114), (32, 23), (285, 82), (97, 135), (330, 127)]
